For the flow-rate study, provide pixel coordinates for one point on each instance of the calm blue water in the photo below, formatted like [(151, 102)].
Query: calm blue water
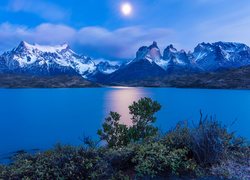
[(38, 118)]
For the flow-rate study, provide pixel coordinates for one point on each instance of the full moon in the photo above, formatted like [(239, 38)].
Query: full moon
[(126, 8)]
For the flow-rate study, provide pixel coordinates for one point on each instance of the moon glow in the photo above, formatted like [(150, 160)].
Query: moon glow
[(126, 8)]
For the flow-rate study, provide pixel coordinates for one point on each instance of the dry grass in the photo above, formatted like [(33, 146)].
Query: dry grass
[(231, 169)]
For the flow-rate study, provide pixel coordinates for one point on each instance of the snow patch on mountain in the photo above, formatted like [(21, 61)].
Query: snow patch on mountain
[(47, 60), (106, 68), (211, 56)]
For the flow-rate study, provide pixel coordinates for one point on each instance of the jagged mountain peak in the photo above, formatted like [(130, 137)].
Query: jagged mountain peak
[(169, 52), (171, 48), (151, 53), (182, 51), (154, 45), (103, 63), (24, 46), (148, 48)]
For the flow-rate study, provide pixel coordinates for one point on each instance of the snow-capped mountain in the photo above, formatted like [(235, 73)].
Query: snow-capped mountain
[(172, 60), (221, 54), (52, 60), (178, 60), (206, 57), (106, 68), (46, 60), (151, 53), (144, 65), (56, 60)]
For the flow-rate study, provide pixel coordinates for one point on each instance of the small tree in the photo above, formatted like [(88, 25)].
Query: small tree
[(143, 118), (113, 132), (142, 112)]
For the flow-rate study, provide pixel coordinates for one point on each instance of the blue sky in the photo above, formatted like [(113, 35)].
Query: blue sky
[(99, 29)]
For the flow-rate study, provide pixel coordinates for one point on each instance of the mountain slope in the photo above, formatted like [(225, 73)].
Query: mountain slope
[(221, 54), (135, 70)]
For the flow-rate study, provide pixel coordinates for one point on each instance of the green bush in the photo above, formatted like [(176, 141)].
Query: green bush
[(116, 134), (154, 157)]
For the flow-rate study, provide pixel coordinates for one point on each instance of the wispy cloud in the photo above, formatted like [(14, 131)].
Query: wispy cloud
[(121, 43), (95, 41), (230, 27), (43, 9)]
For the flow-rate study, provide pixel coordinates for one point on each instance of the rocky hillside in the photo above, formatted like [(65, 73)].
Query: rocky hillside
[(32, 81), (233, 78)]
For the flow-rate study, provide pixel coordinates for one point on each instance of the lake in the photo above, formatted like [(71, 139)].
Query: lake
[(39, 118)]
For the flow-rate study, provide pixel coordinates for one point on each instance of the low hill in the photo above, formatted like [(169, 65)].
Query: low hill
[(233, 78), (32, 81)]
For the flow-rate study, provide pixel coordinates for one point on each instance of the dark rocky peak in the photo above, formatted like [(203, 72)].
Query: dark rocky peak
[(154, 45), (21, 47), (102, 63), (203, 46), (22, 44), (142, 51), (183, 52), (143, 48), (66, 45), (106, 64), (199, 48), (169, 52), (171, 48)]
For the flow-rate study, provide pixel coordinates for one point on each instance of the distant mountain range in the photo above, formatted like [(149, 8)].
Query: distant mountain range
[(206, 57), (50, 61), (149, 62)]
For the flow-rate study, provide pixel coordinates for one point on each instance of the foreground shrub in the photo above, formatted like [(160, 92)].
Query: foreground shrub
[(116, 134), (62, 162), (153, 156), (211, 142)]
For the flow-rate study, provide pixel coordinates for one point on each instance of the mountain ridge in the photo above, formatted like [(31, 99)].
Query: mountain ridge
[(49, 61), (149, 62)]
